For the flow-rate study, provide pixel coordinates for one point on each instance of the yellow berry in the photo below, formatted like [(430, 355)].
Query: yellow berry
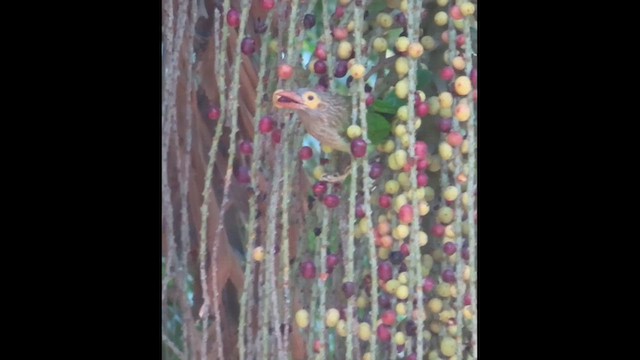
[(358, 71), (362, 302), (402, 44), (445, 112), (428, 43), (401, 157), (366, 356), (400, 232), (458, 63), (446, 99), (405, 182), (341, 328), (466, 312), (384, 253), (402, 88), (392, 187), (429, 193), (452, 330), (258, 253), (273, 46), (400, 130), (405, 140), (445, 151), (462, 85), (450, 193), (441, 18), (402, 66), (467, 9), (332, 317), (433, 354), (427, 261), (380, 44), (403, 113), (302, 318), (391, 286), (443, 290), (404, 6), (443, 3), (423, 207), (445, 215), (419, 194), (434, 163), (351, 26), (402, 292), (448, 346), (415, 50), (384, 20), (464, 148), (466, 273), (403, 278), (458, 24), (401, 309), (462, 111), (399, 338), (318, 172), (449, 232), (354, 131), (344, 50), (344, 2), (388, 146), (364, 331), (435, 305), (423, 238), (327, 149)]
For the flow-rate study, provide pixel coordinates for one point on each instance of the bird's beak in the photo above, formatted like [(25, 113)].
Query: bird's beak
[(287, 100)]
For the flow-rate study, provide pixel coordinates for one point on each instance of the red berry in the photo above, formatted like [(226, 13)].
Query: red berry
[(332, 261), (246, 147), (428, 284), (385, 271), (341, 68), (455, 13), (320, 67), (370, 100), (233, 18), (340, 33), (285, 71), (241, 174), (321, 51), (360, 213), (331, 201), (308, 270), (305, 153), (276, 136), (423, 180), (339, 12), (317, 346), (388, 317), (404, 249), (214, 113), (248, 46), (320, 188), (384, 201), (437, 230), (376, 170), (467, 299), (421, 149), (358, 148), (266, 124), (447, 73), (454, 138), (384, 334), (460, 39), (268, 4), (423, 109), (405, 214), (449, 248), (445, 125)]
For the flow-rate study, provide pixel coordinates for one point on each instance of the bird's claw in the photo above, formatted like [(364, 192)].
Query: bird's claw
[(335, 178)]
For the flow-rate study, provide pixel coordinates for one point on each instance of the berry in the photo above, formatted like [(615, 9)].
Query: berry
[(340, 34), (385, 271), (305, 153), (233, 18), (276, 136), (248, 46), (454, 139), (246, 147), (415, 50), (360, 213), (376, 170), (302, 318), (309, 21), (441, 18), (447, 73), (467, 298), (385, 201), (260, 26), (344, 49), (332, 261), (445, 125), (448, 346), (396, 257), (258, 253), (462, 85), (268, 4), (423, 180), (364, 331), (341, 69), (358, 148), (428, 285), (421, 149), (449, 276), (422, 109), (358, 71), (308, 270), (331, 201), (242, 174), (404, 249), (465, 253), (388, 317), (437, 230), (320, 67), (402, 66), (402, 44), (332, 317), (349, 289), (455, 12), (320, 188), (384, 301), (321, 51), (411, 328), (317, 346), (401, 19), (214, 113), (285, 71), (449, 248), (467, 9), (384, 334), (405, 215), (369, 100), (339, 12)]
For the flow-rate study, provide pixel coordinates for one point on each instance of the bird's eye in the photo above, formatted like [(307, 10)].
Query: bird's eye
[(310, 97)]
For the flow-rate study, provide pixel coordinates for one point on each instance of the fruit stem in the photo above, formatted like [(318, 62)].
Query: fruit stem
[(328, 41)]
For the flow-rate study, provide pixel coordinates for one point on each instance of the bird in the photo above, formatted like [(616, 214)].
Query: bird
[(325, 116)]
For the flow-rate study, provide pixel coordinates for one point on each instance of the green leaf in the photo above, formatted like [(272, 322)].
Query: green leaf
[(377, 6), (385, 107), (424, 79), (393, 35), (392, 99), (378, 127)]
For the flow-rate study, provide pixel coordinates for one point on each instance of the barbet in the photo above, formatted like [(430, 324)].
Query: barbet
[(326, 117)]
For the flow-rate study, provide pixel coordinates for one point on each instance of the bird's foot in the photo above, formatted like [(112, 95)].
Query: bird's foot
[(336, 178)]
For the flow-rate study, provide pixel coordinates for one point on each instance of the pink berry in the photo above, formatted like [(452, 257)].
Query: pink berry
[(331, 201), (370, 100), (270, 4), (404, 249), (321, 51), (233, 18), (384, 201), (384, 334), (449, 248), (454, 139), (385, 271), (447, 73), (423, 164), (358, 148), (305, 153), (266, 124), (214, 113), (308, 270), (423, 180), (421, 149), (467, 299), (428, 284), (246, 147), (437, 230), (339, 12), (423, 109), (405, 215), (320, 188), (276, 136), (455, 13), (445, 125)]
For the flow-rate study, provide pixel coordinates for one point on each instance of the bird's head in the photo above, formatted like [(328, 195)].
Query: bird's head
[(307, 101)]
